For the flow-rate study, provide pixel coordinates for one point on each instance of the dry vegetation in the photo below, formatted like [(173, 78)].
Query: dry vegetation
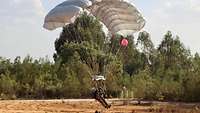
[(90, 106)]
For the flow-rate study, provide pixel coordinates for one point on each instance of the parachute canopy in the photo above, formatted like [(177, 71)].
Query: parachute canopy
[(117, 15), (65, 13)]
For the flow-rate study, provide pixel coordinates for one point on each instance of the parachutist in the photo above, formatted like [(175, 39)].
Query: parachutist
[(118, 16), (98, 91), (99, 96)]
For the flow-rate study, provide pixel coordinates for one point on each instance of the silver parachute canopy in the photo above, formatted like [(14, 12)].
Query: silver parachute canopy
[(118, 16), (65, 13)]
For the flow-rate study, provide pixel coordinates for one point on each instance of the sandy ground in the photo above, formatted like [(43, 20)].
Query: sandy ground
[(90, 106)]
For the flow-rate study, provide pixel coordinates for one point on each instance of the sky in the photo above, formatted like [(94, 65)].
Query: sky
[(22, 34)]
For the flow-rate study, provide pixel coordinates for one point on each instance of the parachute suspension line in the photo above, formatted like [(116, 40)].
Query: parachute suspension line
[(83, 24), (71, 34), (118, 51), (112, 46), (79, 40), (85, 58), (76, 39), (67, 32), (76, 35), (120, 47)]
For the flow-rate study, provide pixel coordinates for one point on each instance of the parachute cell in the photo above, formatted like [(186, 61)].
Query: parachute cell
[(61, 16), (65, 13), (118, 16)]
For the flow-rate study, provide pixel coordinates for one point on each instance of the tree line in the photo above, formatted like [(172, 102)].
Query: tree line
[(168, 72)]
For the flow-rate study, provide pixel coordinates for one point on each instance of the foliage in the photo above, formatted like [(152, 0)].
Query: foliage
[(168, 72)]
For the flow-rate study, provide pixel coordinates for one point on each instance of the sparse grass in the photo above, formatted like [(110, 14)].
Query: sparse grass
[(170, 108), (90, 106)]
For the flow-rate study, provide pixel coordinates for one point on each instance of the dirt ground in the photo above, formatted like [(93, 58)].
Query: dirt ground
[(90, 106)]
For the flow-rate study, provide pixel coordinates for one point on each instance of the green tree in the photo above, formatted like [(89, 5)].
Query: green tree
[(8, 87), (147, 47), (173, 57), (82, 47)]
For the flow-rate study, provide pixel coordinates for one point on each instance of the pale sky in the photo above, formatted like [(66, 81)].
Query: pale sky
[(21, 31)]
